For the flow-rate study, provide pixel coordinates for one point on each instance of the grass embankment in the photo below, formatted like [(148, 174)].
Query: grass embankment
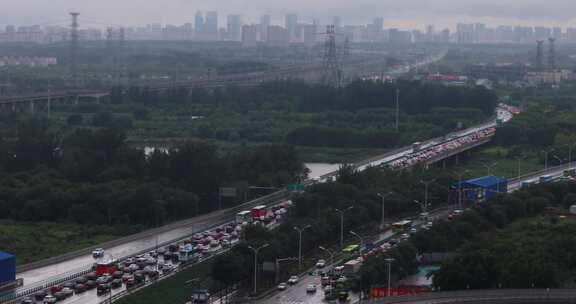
[(31, 242), (506, 164)]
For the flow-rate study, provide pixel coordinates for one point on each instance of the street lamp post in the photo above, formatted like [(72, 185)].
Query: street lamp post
[(330, 252), (422, 205), (360, 238), (489, 167), (460, 176), (426, 185), (570, 146), (389, 261), (342, 224), (546, 152), (383, 197), (300, 231), (558, 159), (519, 159), (256, 250)]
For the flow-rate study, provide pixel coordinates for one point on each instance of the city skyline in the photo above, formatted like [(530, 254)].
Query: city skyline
[(396, 14)]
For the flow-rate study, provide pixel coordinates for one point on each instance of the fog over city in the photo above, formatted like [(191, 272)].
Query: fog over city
[(397, 13)]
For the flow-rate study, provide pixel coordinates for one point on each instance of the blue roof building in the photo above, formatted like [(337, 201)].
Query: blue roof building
[(482, 188)]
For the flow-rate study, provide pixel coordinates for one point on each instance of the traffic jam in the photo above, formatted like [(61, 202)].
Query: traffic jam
[(109, 274), (420, 155), (335, 280)]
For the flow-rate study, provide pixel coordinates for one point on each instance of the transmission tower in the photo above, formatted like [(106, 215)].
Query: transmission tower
[(540, 55), (120, 60), (74, 48), (332, 70), (552, 54)]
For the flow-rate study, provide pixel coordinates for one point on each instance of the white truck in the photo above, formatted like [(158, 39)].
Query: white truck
[(352, 267)]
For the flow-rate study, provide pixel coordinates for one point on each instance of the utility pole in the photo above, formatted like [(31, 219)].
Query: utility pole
[(74, 49), (342, 224), (389, 262), (397, 109), (256, 250), (300, 231)]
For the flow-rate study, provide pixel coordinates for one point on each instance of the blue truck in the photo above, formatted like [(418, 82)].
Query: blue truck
[(7, 270)]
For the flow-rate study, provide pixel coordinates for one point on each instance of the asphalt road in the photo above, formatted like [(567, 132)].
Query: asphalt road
[(46, 273)]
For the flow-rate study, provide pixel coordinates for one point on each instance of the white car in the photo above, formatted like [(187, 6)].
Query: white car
[(321, 264), (311, 288), (282, 286), (98, 253), (293, 280), (49, 299)]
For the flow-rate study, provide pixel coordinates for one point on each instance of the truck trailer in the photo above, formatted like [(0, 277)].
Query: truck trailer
[(7, 269)]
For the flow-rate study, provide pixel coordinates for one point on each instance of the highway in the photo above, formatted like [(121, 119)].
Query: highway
[(40, 275)]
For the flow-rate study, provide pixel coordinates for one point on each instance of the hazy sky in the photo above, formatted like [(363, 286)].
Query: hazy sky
[(397, 13)]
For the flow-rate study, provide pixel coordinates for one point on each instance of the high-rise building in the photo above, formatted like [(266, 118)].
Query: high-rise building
[(211, 25), (277, 36), (430, 33), (309, 35), (465, 33), (399, 37), (199, 22), (291, 23), (265, 21), (249, 35), (337, 21), (378, 24), (234, 27)]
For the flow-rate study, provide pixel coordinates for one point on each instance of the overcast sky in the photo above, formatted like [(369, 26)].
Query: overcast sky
[(397, 13)]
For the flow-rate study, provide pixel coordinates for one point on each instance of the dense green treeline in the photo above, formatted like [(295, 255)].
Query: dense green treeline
[(359, 115), (507, 242), (92, 176), (501, 243), (299, 96)]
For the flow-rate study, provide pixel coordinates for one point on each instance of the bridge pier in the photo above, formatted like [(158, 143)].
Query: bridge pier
[(32, 106)]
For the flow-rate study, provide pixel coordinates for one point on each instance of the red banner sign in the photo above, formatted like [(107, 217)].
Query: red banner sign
[(382, 292)]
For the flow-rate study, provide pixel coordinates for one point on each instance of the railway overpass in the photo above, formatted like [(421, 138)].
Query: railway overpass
[(43, 101)]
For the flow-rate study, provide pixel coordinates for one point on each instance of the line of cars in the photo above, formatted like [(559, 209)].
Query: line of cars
[(429, 153), (109, 274)]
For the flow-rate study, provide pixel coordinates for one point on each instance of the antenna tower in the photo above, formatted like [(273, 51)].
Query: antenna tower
[(540, 55), (74, 48)]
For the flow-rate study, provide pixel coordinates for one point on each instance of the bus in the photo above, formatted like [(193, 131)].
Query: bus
[(528, 183), (402, 225), (350, 249), (546, 178), (243, 217), (259, 212)]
